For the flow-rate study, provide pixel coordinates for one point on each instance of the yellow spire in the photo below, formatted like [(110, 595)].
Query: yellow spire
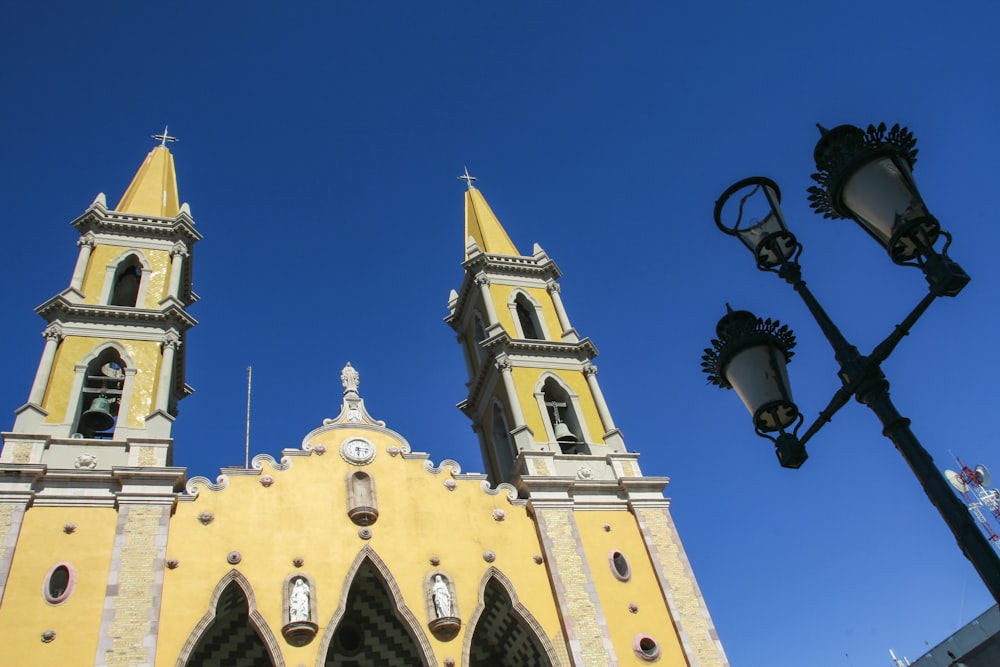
[(483, 227), (153, 191)]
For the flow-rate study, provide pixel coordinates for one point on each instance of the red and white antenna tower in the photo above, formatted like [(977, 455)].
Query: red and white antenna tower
[(976, 488)]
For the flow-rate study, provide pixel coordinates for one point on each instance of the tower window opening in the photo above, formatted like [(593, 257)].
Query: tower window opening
[(503, 446), (102, 394), (128, 277), (563, 418), (528, 318), (478, 335)]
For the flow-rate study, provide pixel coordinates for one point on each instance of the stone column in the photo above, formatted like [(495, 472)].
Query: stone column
[(177, 256), (503, 365), (590, 371), (484, 290), (171, 342), (568, 332), (53, 334), (86, 243)]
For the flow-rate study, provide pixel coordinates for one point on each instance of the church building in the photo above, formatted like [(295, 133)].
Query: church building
[(563, 554)]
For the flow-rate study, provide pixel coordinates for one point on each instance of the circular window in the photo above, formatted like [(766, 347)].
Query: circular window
[(619, 566), (646, 648), (59, 583), (349, 639)]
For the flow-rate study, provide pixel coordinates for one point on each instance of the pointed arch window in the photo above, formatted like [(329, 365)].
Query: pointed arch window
[(103, 388), (563, 420), (505, 634), (232, 631), (503, 445), (127, 280), (528, 317), (370, 629), (478, 336)]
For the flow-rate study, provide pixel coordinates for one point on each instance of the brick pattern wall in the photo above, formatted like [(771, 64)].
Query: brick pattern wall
[(584, 622), (22, 453), (691, 618), (147, 456), (11, 516), (135, 586)]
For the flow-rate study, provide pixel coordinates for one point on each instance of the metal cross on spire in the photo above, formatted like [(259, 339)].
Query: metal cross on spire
[(468, 179), (164, 138)]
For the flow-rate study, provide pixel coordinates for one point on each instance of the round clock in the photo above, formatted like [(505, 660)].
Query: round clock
[(357, 451)]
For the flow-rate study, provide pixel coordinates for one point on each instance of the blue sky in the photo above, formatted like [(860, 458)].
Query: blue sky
[(319, 145)]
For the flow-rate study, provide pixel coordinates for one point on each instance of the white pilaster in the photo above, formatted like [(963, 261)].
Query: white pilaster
[(568, 332), (53, 334), (86, 243)]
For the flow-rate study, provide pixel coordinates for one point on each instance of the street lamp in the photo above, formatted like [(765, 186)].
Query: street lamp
[(865, 175)]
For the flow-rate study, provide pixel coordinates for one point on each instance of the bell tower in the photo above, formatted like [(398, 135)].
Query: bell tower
[(533, 385), (544, 427), (112, 369)]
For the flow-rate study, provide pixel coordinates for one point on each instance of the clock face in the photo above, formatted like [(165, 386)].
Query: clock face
[(357, 451)]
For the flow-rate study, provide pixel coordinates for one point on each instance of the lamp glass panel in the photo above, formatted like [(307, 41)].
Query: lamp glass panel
[(759, 376), (778, 249), (881, 196)]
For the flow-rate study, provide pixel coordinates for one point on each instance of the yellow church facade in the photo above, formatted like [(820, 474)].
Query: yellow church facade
[(353, 548)]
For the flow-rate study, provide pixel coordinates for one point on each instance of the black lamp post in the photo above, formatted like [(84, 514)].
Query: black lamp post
[(864, 175)]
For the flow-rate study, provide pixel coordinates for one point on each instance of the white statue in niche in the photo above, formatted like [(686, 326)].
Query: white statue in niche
[(298, 601), (441, 597)]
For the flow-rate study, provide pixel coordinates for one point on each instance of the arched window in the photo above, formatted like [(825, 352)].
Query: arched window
[(232, 627), (372, 625), (478, 336), (128, 277), (103, 383), (527, 317), (521, 643), (564, 421), (503, 446)]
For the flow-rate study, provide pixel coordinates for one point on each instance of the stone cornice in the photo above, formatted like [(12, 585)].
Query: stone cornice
[(60, 308), (538, 267), (99, 219), (514, 347), (18, 481), (526, 353)]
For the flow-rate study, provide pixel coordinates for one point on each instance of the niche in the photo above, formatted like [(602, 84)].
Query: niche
[(361, 505)]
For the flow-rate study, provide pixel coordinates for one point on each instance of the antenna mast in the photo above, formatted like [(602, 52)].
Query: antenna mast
[(249, 378), (983, 501)]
